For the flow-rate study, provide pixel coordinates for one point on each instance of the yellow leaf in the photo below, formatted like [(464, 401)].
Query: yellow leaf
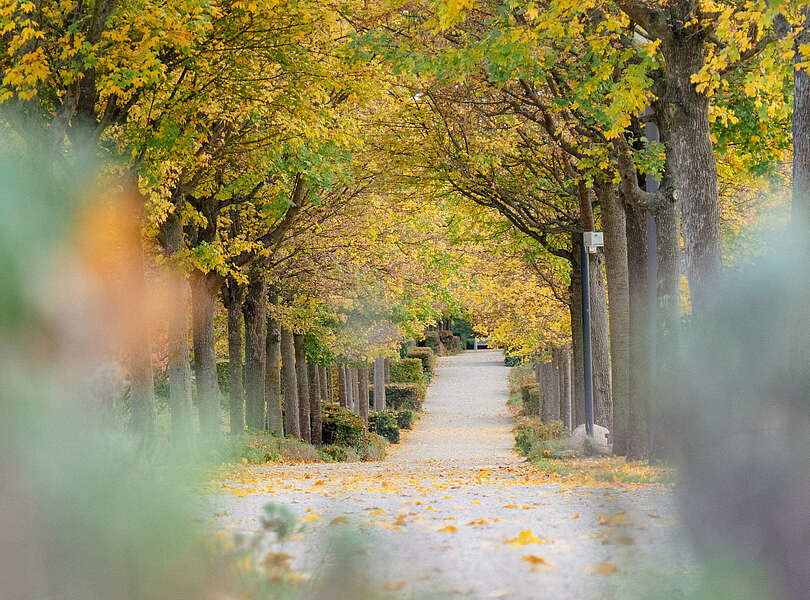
[(525, 538), (603, 568), (449, 529)]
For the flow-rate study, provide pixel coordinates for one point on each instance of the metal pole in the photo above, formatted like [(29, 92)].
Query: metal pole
[(586, 338)]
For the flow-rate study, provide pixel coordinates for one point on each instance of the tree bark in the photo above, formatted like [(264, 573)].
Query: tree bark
[(178, 326), (275, 420), (800, 206), (546, 394), (203, 292), (292, 422), (350, 399), (303, 386), (565, 388), (614, 225), (363, 385), (232, 299), (330, 382), (639, 384), (316, 432), (578, 370), (326, 392), (343, 393), (379, 384), (555, 412), (255, 313), (356, 391), (691, 154), (387, 371)]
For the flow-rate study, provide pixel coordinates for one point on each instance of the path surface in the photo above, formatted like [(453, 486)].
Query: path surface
[(453, 512)]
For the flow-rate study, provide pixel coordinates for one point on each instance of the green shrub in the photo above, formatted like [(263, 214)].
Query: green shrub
[(337, 453), (530, 392), (384, 423), (533, 437), (433, 342), (400, 395), (405, 418), (223, 375), (459, 344), (263, 448), (341, 426), (375, 448), (427, 357), (446, 338), (406, 370)]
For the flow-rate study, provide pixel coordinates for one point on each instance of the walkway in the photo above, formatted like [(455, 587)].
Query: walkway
[(454, 513)]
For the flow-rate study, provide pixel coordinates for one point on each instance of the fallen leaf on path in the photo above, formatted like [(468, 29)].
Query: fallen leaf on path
[(538, 563), (603, 568), (478, 522), (449, 529), (394, 586), (617, 519), (525, 538), (576, 516), (500, 593), (310, 518), (339, 521)]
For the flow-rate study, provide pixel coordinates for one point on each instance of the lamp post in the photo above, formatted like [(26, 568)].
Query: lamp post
[(591, 242)]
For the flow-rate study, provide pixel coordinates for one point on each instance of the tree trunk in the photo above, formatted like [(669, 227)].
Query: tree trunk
[(343, 393), (356, 389), (639, 334), (330, 382), (387, 371), (800, 207), (255, 313), (363, 385), (615, 230), (351, 402), (578, 370), (232, 299), (691, 154), (303, 386), (179, 365), (602, 398), (315, 404), (379, 384), (275, 421), (292, 423), (565, 388), (546, 393), (142, 384), (326, 392), (203, 293), (555, 385)]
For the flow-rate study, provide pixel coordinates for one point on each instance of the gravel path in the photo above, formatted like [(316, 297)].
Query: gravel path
[(454, 512)]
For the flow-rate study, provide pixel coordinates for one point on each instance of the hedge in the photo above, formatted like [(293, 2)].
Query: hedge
[(342, 427), (433, 342), (427, 357), (406, 370), (384, 423), (400, 395), (405, 418), (530, 391)]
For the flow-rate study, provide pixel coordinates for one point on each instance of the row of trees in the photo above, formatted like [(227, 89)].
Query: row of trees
[(237, 134), (332, 179), (540, 112)]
